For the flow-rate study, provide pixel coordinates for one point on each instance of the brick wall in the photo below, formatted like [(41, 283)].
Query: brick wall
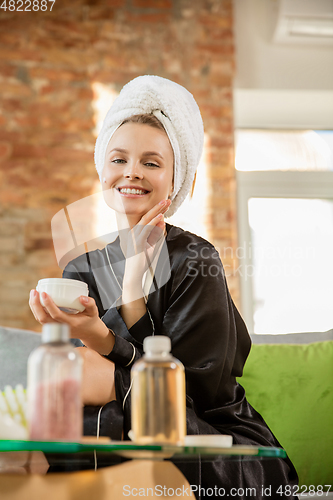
[(48, 63)]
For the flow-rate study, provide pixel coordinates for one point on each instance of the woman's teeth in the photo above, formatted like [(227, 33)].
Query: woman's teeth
[(132, 191)]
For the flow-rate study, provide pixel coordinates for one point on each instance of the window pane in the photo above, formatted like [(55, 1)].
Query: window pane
[(284, 150), (292, 255)]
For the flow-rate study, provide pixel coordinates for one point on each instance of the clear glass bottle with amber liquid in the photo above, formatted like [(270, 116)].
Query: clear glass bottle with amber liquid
[(158, 400), (55, 409)]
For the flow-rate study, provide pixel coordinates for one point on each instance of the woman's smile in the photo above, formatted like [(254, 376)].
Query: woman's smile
[(132, 191)]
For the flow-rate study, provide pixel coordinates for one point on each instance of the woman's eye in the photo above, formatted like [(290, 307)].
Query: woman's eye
[(152, 165), (118, 160)]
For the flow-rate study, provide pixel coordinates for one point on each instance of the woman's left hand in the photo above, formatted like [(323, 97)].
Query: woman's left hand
[(142, 242)]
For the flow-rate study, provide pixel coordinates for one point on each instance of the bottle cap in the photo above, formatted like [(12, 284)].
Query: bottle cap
[(55, 332), (157, 344)]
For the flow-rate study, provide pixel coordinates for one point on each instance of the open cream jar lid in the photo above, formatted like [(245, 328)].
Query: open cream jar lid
[(64, 292)]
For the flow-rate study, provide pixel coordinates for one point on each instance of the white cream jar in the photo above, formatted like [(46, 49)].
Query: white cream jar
[(64, 292)]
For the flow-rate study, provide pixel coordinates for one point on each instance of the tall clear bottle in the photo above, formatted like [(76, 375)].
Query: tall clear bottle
[(158, 400), (54, 387)]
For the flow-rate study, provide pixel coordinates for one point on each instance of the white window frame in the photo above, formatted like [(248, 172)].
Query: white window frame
[(285, 110), (270, 184)]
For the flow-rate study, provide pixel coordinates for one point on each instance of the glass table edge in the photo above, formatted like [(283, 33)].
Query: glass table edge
[(120, 446)]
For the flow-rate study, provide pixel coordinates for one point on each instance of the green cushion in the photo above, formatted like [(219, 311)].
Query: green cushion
[(291, 386)]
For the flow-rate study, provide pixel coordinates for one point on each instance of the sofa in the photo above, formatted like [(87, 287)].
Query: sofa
[(287, 378)]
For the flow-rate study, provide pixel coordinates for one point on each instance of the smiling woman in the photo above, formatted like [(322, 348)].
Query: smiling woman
[(156, 278)]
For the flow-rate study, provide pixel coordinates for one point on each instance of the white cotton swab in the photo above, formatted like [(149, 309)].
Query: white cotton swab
[(13, 403), (4, 410), (21, 397), (11, 400)]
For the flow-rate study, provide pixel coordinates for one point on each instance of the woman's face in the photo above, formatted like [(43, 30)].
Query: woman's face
[(138, 169)]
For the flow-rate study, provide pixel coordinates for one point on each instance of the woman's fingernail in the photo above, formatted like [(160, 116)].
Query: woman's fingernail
[(160, 216), (85, 299), (44, 295), (162, 202)]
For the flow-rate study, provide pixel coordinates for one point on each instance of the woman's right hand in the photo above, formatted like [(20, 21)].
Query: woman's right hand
[(86, 326)]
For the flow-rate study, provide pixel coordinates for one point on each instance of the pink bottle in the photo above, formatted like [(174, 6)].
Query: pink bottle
[(55, 409)]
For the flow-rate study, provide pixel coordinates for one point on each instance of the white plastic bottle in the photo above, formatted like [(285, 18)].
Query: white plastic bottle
[(158, 400), (55, 409)]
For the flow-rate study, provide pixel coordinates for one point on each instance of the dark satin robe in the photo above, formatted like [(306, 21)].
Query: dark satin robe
[(208, 336)]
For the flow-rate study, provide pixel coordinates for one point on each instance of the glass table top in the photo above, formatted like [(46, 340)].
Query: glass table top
[(130, 449)]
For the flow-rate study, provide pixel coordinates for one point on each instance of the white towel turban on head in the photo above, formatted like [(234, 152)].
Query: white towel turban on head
[(178, 112)]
